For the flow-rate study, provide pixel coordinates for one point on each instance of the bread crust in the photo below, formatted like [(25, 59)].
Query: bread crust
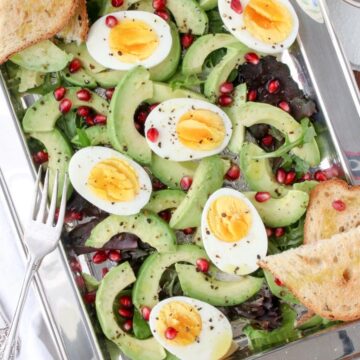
[(14, 38), (318, 204)]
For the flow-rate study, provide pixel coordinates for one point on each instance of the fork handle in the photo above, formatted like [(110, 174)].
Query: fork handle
[(31, 268)]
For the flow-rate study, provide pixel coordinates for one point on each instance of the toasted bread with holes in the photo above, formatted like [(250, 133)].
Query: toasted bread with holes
[(78, 26), (24, 23), (322, 218), (324, 276)]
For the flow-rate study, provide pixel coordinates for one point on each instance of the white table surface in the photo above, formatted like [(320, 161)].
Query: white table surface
[(35, 342)]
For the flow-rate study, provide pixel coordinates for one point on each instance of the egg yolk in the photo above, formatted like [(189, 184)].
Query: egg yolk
[(184, 318), (114, 180), (268, 20), (229, 219), (201, 130), (133, 40)]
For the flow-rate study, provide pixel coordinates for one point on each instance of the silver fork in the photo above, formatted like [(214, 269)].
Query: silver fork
[(41, 236)]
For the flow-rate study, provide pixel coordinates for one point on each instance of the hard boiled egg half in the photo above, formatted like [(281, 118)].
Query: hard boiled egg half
[(187, 129), (268, 26), (233, 233), (124, 39), (191, 329), (110, 180)]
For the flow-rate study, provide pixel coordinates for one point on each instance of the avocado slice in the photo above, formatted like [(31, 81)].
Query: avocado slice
[(165, 199), (166, 69), (43, 114), (29, 79), (91, 283), (253, 113), (257, 172), (163, 92), (146, 288), (306, 186), (109, 78), (216, 292), (44, 56), (279, 291), (238, 134), (234, 57), (197, 238), (60, 153), (149, 227), (79, 78), (202, 47), (283, 211), (171, 172), (115, 281), (208, 4), (97, 135), (132, 90), (189, 16), (208, 177)]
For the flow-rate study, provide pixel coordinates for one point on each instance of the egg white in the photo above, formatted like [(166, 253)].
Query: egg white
[(238, 258), (80, 167), (216, 331), (165, 118), (99, 47), (234, 22)]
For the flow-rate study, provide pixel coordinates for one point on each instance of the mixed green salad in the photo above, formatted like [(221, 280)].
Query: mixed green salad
[(191, 153)]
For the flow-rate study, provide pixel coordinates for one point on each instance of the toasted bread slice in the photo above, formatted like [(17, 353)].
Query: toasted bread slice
[(322, 219), (78, 27), (324, 276), (24, 23)]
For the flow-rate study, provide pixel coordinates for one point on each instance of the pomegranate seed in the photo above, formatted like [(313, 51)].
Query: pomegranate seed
[(306, 177), (59, 93), (139, 128), (252, 95), (83, 111), (70, 215), (158, 185), (89, 120), (65, 106), (225, 100), (320, 176), (267, 140), (152, 134), (75, 65), (114, 255), (126, 301), (41, 157), (187, 40), (278, 282), (83, 95), (186, 182), (165, 215), (284, 105), (126, 313), (153, 106), (89, 298), (262, 196), (188, 231), (236, 6), (290, 178), (100, 119), (104, 271), (159, 4), (128, 325), (111, 21), (252, 58), (99, 257), (279, 232), (233, 173), (163, 14), (109, 93), (170, 333), (75, 266), (142, 116), (202, 265), (280, 175), (269, 232), (80, 283), (117, 3), (145, 312), (226, 88), (339, 205), (273, 86)]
